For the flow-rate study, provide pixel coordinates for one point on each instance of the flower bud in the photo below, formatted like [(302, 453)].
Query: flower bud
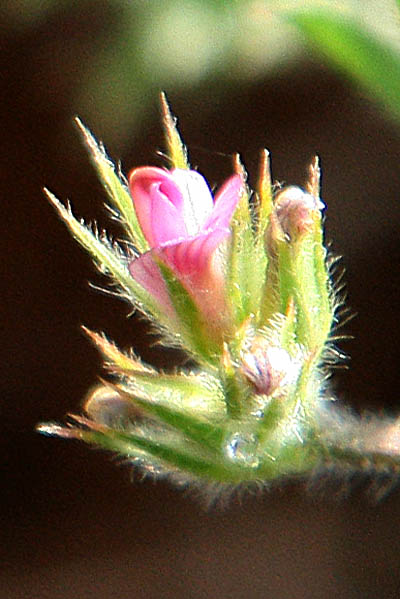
[(295, 210), (268, 367), (184, 226), (105, 406)]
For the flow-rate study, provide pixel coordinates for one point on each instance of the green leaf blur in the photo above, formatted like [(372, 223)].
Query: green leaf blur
[(371, 62)]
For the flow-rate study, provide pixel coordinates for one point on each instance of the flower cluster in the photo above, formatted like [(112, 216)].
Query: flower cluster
[(240, 281)]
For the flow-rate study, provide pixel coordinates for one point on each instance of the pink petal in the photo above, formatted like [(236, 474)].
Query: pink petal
[(197, 266), (158, 204), (145, 271), (225, 203), (190, 257), (197, 199)]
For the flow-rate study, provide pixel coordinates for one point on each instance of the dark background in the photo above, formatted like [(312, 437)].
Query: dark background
[(74, 524)]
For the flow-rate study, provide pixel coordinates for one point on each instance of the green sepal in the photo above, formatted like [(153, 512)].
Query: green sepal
[(327, 302), (117, 191), (266, 424), (115, 359), (209, 435), (196, 335), (307, 394), (271, 303), (287, 331), (297, 268), (246, 260), (236, 394), (280, 330), (200, 393), (297, 280), (165, 454), (264, 202), (185, 459), (177, 152)]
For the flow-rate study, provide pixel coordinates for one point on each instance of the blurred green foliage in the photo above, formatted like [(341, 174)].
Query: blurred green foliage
[(216, 44), (372, 62)]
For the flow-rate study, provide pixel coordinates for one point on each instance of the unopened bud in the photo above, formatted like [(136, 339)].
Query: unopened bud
[(104, 405), (295, 210), (268, 367)]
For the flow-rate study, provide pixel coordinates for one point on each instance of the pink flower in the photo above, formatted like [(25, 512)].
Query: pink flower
[(183, 226)]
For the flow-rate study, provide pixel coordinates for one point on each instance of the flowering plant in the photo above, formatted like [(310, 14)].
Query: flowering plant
[(241, 282)]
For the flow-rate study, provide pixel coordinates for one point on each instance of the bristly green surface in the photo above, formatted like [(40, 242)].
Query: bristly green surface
[(195, 336), (263, 198), (118, 194), (247, 258), (177, 152)]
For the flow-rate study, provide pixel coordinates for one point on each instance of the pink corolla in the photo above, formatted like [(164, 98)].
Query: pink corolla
[(184, 226)]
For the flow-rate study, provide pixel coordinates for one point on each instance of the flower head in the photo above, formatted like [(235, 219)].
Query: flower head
[(250, 300)]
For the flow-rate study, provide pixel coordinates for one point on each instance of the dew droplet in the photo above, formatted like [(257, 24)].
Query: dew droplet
[(242, 449), (259, 413)]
